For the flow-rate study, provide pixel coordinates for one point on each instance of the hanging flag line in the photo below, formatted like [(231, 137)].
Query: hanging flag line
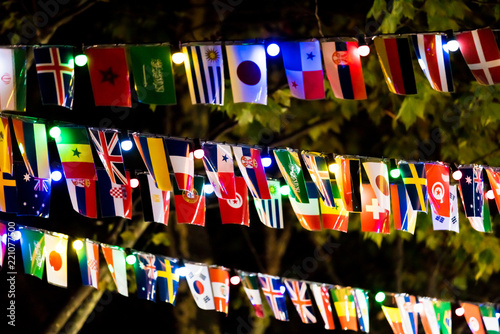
[(209, 285)]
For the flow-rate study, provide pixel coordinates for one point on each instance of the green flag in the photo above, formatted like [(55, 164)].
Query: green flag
[(443, 315), (490, 320), (289, 165), (153, 74), (32, 247)]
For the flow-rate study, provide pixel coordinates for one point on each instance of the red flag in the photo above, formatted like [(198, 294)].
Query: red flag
[(438, 188), (481, 53), (236, 211), (374, 218), (473, 316), (220, 287), (109, 76), (190, 205), (308, 214), (494, 177)]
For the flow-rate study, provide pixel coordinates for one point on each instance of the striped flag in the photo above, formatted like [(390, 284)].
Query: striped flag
[(289, 164), (250, 165), (205, 73), (116, 199), (107, 145), (318, 169), (182, 161), (428, 316), (343, 69), (395, 60), (348, 177), (270, 211), (219, 166), (153, 154), (345, 307), (32, 141), (88, 258), (393, 316), (415, 181), (308, 214), (83, 196), (168, 279), (13, 79), (219, 276), (297, 290), (76, 155), (155, 202), (473, 316), (405, 218), (434, 60), (115, 258), (274, 290), (56, 258), (480, 50), (409, 315), (361, 302), (250, 284), (322, 297), (336, 217), (489, 315)]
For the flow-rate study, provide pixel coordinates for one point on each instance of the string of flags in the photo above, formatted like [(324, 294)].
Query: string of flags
[(158, 278), (323, 195), (110, 68)]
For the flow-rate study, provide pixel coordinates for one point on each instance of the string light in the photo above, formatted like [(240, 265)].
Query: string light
[(81, 60), (380, 297), (208, 189), (459, 311), (16, 235), (452, 44), (333, 168), (56, 176), (235, 280), (126, 145), (273, 49), (130, 259), (198, 150), (77, 244), (363, 48), (55, 132), (457, 175), (181, 271), (134, 183), (490, 194), (178, 58), (285, 190)]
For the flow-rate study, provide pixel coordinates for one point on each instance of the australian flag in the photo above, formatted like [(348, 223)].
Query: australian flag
[(33, 193), (145, 275), (472, 190), (55, 69)]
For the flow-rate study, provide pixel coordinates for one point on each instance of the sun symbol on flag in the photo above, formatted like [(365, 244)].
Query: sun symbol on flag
[(212, 55)]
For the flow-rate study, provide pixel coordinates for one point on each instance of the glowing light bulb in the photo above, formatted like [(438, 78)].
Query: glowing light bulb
[(333, 168), (459, 311), (126, 145), (363, 50), (178, 58), (235, 280), (452, 45), (457, 175), (55, 132), (56, 175), (77, 245), (208, 189), (266, 161), (134, 183), (81, 60), (181, 271), (130, 259), (285, 190), (380, 297), (16, 235), (282, 289), (199, 153), (395, 173), (273, 49), (490, 194)]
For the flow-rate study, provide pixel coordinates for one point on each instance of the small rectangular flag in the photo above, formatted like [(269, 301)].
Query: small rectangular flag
[(248, 73), (76, 155), (393, 316), (13, 77), (304, 70), (395, 60), (168, 279), (32, 142), (198, 279), (82, 193), (190, 205), (32, 249), (56, 257), (336, 217), (155, 202), (153, 73), (409, 315), (378, 176), (415, 181), (236, 211), (55, 68), (115, 258), (473, 317), (250, 284), (483, 223), (374, 217), (33, 194), (219, 166), (289, 164), (3, 246), (154, 155), (438, 188), (405, 218), (109, 76), (205, 73), (5, 147), (494, 178), (88, 259), (251, 168), (274, 290), (348, 177), (489, 314), (472, 190), (8, 193), (270, 211), (361, 302), (343, 69), (219, 276), (448, 223), (480, 50), (107, 145), (443, 315), (297, 290), (322, 297), (318, 169), (308, 213), (434, 60), (345, 307), (182, 161), (145, 275), (428, 316), (116, 199)]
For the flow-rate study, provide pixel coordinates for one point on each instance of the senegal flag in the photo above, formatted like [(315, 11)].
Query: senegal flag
[(76, 155)]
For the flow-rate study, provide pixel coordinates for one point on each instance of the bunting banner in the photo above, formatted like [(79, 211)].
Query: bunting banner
[(274, 290), (88, 259), (219, 276), (472, 190), (428, 316), (438, 188), (82, 193), (289, 164), (494, 178), (345, 307), (443, 315), (3, 245), (115, 258), (473, 316), (270, 211), (409, 315), (107, 145), (8, 193), (250, 283), (378, 175), (448, 223), (236, 211), (198, 280), (155, 202), (219, 166), (297, 290), (182, 161), (190, 206), (394, 318), (76, 155), (56, 257), (361, 302), (374, 217), (308, 213), (32, 249), (405, 218), (5, 147), (322, 297), (116, 199), (336, 217), (415, 181), (490, 319), (318, 169), (250, 165), (13, 78), (33, 193), (348, 176)]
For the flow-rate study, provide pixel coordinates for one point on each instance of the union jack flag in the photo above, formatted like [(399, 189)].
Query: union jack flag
[(148, 265), (107, 144), (300, 298), (274, 291), (478, 179), (41, 184)]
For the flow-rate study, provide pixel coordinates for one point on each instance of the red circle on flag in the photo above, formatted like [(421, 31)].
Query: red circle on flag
[(248, 72), (382, 185), (198, 287), (55, 260)]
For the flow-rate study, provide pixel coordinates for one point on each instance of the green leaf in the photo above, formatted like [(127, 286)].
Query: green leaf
[(161, 238)]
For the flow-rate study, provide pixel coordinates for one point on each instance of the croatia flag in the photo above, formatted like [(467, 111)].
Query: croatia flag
[(116, 199)]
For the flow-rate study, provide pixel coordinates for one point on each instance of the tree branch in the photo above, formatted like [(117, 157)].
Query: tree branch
[(299, 133)]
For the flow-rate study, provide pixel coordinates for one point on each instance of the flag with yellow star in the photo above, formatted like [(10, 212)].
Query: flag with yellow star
[(76, 155)]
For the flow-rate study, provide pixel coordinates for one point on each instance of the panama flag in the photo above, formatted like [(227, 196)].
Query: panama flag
[(489, 314), (116, 199), (415, 181), (379, 180), (443, 315), (374, 217), (361, 301), (304, 70), (473, 316), (274, 291), (219, 166), (88, 258), (248, 73), (182, 161), (308, 214), (115, 258), (56, 256), (480, 50), (55, 69), (13, 78), (297, 290), (220, 287), (250, 165), (434, 60), (236, 211), (428, 315), (250, 284), (448, 223), (205, 73), (198, 279), (409, 315), (155, 202), (270, 211), (318, 169), (322, 297), (343, 69), (438, 188)]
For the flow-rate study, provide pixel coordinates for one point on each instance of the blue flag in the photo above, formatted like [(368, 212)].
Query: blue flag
[(145, 275), (33, 193), (415, 181), (168, 280), (472, 189)]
